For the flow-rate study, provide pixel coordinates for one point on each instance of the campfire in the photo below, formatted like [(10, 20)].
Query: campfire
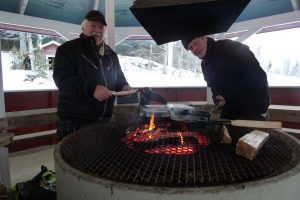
[(165, 139)]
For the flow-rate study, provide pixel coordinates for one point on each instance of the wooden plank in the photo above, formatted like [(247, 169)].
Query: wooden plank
[(30, 112), (284, 113), (34, 135), (290, 130), (256, 124), (29, 118), (249, 145)]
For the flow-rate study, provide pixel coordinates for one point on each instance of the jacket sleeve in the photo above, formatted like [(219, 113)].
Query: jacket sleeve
[(205, 72), (248, 85), (121, 78), (66, 76)]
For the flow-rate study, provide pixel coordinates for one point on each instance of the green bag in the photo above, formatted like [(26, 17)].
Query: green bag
[(41, 187)]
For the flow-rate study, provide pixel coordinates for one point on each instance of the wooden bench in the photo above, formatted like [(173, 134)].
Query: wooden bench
[(21, 119)]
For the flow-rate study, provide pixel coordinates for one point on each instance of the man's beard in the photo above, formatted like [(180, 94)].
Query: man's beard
[(98, 37), (94, 34)]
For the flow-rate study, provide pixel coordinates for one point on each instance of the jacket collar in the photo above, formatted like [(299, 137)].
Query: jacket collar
[(210, 47)]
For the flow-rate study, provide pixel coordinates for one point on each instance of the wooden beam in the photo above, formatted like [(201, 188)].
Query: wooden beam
[(110, 19), (30, 118), (284, 113), (247, 34), (96, 4), (22, 6), (295, 4)]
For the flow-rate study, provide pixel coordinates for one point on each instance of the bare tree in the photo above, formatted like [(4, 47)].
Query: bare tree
[(39, 40), (165, 64), (23, 42), (30, 50)]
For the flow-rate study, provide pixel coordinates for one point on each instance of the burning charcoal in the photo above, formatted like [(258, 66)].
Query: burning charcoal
[(248, 146)]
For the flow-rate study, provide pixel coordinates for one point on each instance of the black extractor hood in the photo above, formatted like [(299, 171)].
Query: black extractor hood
[(172, 20)]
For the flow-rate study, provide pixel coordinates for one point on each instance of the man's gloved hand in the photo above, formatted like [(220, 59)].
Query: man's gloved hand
[(212, 131), (126, 88), (220, 100), (102, 93)]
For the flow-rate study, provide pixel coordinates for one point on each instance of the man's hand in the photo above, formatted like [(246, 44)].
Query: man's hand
[(220, 100), (126, 88), (102, 93)]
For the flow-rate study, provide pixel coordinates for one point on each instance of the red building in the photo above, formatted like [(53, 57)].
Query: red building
[(49, 50)]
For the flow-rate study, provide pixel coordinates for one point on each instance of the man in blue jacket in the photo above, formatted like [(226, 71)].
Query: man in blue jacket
[(237, 81), (86, 70)]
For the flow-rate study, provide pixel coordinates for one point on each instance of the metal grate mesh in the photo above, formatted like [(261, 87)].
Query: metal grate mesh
[(101, 152)]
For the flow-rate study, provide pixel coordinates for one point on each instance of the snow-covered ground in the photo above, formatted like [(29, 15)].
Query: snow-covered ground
[(135, 72), (155, 77), (14, 80)]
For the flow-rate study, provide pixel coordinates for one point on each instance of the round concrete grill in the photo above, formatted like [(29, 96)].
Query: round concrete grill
[(101, 154)]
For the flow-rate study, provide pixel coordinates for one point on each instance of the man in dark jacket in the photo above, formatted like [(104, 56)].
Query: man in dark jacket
[(237, 81), (86, 71)]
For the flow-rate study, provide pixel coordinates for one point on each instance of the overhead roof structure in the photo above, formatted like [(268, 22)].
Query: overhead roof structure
[(73, 11), (168, 21)]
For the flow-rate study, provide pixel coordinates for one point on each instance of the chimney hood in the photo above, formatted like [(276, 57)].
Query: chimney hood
[(171, 20)]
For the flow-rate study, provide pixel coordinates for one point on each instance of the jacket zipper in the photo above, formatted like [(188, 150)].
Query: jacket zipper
[(105, 82), (89, 61)]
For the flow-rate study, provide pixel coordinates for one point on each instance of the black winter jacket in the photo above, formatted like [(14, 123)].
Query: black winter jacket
[(231, 70), (78, 69)]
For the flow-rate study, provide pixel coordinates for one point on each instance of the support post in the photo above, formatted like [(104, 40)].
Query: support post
[(110, 18)]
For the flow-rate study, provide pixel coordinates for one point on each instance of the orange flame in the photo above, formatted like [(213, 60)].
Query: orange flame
[(151, 125), (181, 137)]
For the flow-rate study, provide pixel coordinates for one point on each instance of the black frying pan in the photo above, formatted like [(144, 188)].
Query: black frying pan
[(198, 121)]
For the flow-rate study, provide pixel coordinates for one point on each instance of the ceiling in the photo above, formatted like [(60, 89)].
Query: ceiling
[(73, 11)]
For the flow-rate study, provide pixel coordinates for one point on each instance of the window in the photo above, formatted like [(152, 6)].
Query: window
[(279, 55), (147, 65), (27, 60)]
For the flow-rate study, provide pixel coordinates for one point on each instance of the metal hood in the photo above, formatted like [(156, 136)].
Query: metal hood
[(171, 20)]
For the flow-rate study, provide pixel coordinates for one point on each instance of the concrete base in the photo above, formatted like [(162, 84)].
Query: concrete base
[(71, 187)]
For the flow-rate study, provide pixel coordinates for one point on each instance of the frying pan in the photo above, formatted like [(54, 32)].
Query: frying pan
[(200, 121)]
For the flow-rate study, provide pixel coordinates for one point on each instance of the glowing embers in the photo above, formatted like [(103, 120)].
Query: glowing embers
[(161, 138)]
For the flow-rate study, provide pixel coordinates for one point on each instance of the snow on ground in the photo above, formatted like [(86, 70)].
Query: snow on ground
[(14, 80), (135, 72), (138, 77)]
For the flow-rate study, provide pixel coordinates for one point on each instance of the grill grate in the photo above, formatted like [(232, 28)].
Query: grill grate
[(102, 152)]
